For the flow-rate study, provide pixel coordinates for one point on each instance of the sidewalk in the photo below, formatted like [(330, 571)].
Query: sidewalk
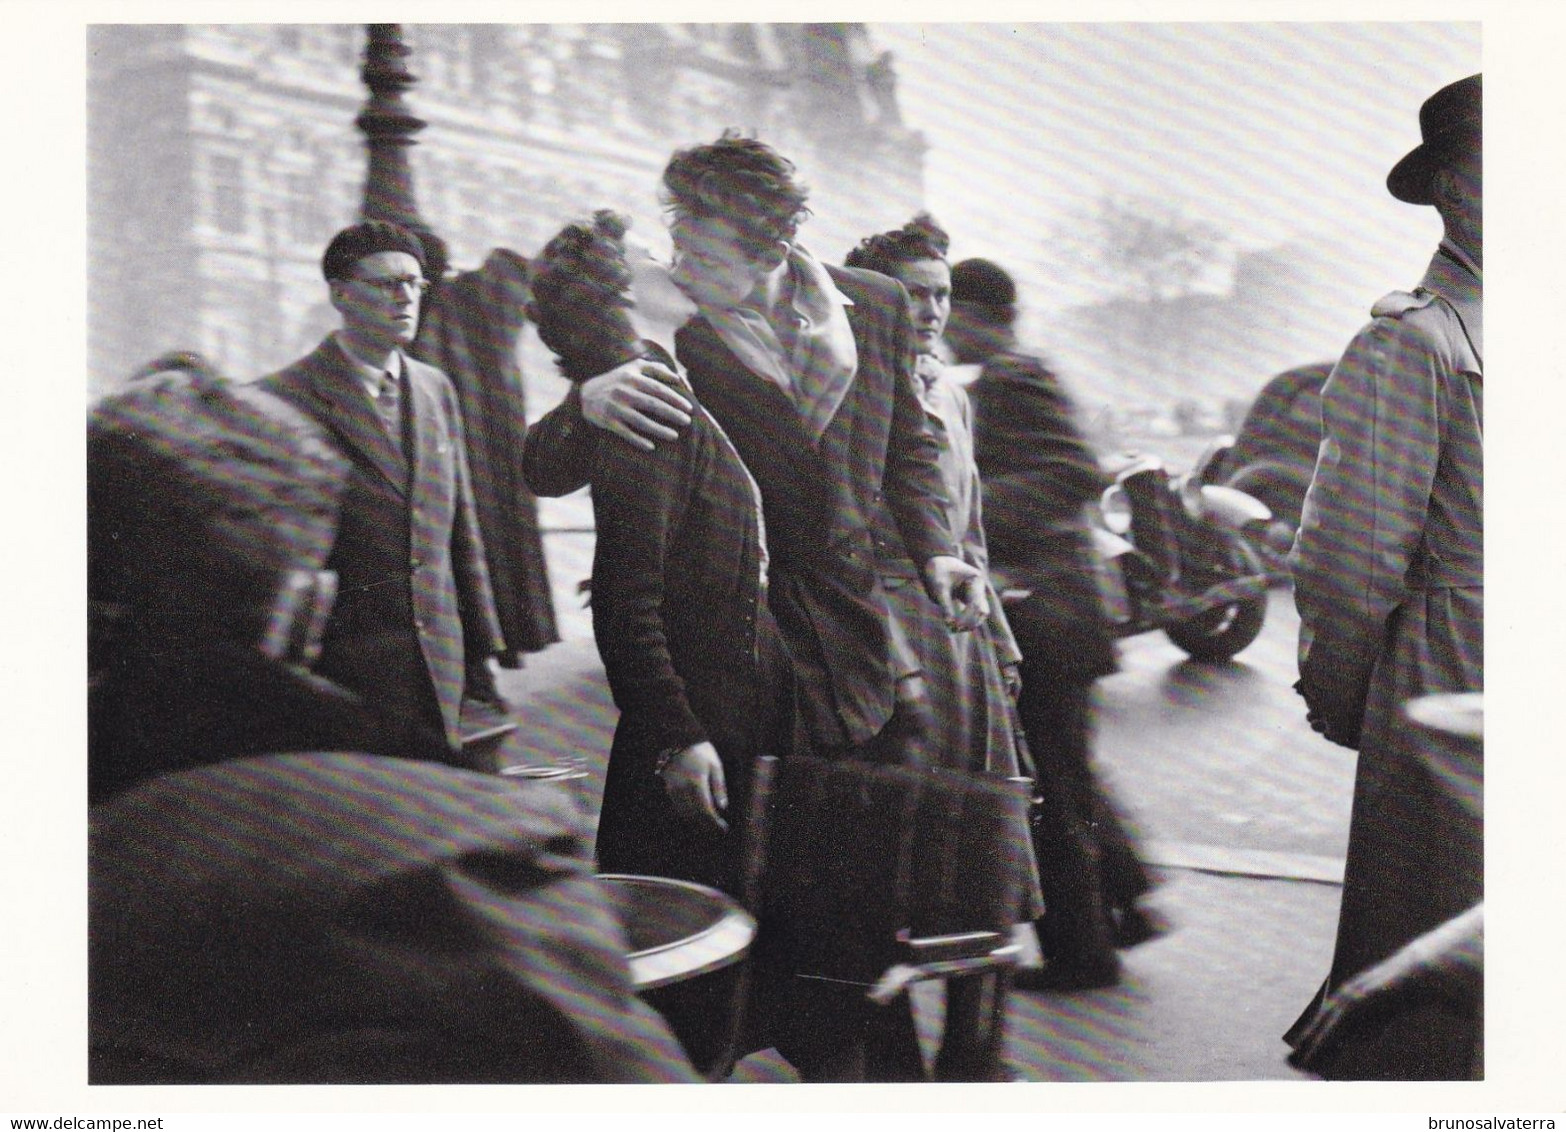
[(1252, 933)]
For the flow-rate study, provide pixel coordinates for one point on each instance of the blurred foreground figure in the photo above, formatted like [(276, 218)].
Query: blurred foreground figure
[(1389, 574), (174, 361), (263, 912), (1038, 474)]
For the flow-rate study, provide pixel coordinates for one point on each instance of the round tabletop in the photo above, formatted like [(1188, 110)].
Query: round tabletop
[(677, 930)]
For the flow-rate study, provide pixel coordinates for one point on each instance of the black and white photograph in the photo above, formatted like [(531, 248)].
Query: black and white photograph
[(897, 566)]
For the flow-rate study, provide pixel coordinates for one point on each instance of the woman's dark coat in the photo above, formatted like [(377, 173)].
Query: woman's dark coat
[(679, 614)]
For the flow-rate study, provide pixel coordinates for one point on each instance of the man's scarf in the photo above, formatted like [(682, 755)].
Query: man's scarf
[(818, 366)]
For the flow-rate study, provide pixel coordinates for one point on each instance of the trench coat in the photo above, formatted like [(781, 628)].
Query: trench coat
[(974, 716), (1389, 581), (414, 606)]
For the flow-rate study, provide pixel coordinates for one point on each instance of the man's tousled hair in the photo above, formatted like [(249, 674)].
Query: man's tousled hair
[(741, 180)]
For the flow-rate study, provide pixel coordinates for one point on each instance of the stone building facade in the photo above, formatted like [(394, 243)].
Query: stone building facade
[(222, 158)]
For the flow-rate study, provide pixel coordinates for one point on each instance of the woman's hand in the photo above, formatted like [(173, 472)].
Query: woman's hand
[(694, 780)]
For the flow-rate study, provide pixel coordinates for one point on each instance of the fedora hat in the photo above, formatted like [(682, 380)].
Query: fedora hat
[(1449, 121)]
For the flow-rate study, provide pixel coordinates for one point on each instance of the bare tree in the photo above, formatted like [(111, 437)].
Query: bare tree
[(1147, 261), (1157, 252), (1138, 248)]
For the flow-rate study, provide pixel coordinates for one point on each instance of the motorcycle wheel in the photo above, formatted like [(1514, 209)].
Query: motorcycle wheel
[(1221, 633)]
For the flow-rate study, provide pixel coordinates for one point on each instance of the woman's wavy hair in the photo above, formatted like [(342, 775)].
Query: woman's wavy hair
[(743, 181), (921, 238), (581, 299)]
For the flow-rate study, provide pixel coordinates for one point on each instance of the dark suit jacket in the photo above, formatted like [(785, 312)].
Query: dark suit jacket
[(867, 500), (413, 601), (1038, 473), (343, 918)]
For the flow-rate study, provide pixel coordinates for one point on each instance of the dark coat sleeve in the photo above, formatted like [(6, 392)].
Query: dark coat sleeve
[(915, 491), (1035, 464), (557, 453), (639, 501)]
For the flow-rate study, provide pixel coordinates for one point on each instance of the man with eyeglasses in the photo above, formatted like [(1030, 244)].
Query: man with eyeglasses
[(414, 626)]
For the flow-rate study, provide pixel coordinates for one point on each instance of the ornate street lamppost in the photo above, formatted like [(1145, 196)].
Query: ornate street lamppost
[(389, 128)]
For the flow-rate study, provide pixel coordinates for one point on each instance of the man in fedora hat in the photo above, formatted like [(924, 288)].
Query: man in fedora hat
[(1388, 572)]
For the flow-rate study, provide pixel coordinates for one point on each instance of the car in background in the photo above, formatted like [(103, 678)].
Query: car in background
[(1274, 453)]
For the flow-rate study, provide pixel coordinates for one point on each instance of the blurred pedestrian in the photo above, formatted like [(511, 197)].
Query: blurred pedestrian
[(272, 897), (414, 622), (469, 330), (1038, 474), (1389, 570)]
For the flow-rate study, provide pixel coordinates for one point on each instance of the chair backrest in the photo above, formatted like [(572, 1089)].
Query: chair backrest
[(844, 856), (753, 831)]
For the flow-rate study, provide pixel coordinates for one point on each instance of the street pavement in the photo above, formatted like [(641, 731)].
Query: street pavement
[(1242, 811)]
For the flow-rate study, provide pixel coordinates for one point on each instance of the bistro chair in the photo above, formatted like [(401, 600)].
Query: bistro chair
[(876, 876), (888, 876)]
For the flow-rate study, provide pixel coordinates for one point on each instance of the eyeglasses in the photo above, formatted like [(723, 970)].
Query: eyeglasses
[(392, 287)]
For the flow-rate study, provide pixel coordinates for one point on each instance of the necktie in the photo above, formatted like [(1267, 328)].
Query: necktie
[(387, 396)]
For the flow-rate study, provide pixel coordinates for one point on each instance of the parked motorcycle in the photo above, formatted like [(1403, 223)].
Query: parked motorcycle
[(1176, 553)]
